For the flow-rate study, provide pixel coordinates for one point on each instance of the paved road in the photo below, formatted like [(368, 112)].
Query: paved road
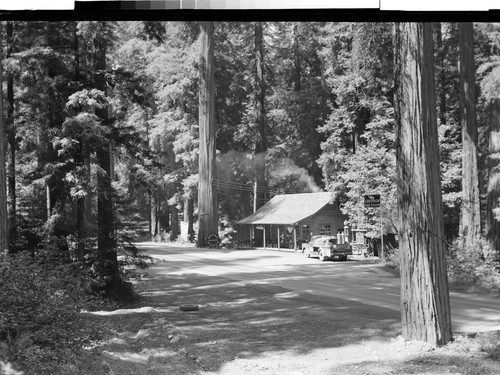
[(357, 279)]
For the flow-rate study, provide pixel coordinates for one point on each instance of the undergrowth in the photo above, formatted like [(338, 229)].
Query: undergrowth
[(42, 294), (470, 268), (474, 267), (486, 342)]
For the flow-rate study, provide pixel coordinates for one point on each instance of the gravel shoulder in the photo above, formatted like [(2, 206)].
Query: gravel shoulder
[(265, 329)]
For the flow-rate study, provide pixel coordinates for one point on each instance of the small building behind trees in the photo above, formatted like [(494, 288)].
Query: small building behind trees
[(287, 220)]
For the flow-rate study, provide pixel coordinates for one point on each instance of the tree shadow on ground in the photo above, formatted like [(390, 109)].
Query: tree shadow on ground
[(441, 361), (256, 326), (236, 319)]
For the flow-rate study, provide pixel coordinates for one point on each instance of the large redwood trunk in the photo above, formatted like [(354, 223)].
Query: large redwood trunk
[(153, 209), (207, 191), (4, 234), (425, 306), (188, 217), (493, 189), (260, 123), (442, 74), (11, 138), (174, 222), (471, 221)]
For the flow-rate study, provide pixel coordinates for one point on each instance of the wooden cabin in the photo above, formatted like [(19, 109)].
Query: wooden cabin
[(287, 220)]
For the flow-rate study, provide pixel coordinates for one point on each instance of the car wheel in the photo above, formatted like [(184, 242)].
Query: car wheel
[(322, 257), (343, 257)]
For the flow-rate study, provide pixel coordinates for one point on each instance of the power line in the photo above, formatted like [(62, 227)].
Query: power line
[(249, 188), (242, 186)]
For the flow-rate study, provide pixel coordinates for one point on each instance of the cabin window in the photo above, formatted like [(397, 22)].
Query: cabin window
[(324, 230), (305, 233)]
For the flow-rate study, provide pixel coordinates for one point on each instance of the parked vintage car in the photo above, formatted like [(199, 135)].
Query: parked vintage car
[(326, 247)]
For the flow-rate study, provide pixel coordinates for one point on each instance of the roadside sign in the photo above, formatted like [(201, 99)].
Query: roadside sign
[(372, 200)]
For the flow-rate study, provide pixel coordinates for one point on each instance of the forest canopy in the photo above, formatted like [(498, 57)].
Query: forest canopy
[(322, 119), (299, 107), (102, 129)]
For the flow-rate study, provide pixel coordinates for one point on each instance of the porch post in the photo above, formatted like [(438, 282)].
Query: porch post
[(264, 226), (252, 230), (237, 236), (295, 237), (279, 239)]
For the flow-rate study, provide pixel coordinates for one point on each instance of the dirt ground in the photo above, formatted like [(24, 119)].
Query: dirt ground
[(265, 329)]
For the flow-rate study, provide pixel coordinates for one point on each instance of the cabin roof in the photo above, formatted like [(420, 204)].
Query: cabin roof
[(288, 208)]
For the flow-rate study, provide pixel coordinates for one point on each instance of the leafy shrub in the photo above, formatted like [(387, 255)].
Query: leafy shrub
[(486, 342), (131, 261), (489, 343), (163, 236), (29, 235), (474, 267), (391, 260), (40, 320), (228, 237), (7, 369), (487, 279)]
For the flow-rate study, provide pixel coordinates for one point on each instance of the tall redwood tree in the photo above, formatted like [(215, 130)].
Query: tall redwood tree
[(260, 123), (207, 191), (471, 221), (11, 139), (425, 305), (4, 234), (493, 187)]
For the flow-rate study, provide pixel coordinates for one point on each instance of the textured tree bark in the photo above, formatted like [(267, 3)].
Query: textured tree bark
[(11, 138), (164, 217), (260, 122), (174, 222), (471, 221), (493, 188), (190, 219), (48, 199), (80, 221), (88, 198), (153, 222), (188, 216), (4, 229), (442, 74), (425, 307), (207, 191)]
